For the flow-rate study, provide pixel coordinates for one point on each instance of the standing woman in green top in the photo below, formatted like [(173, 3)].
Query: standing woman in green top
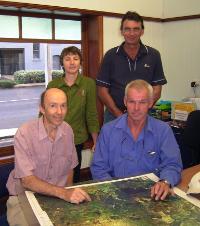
[(81, 99)]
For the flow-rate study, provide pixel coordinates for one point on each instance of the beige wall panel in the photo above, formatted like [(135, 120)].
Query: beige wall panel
[(176, 8), (151, 8), (181, 48), (153, 33), (111, 32)]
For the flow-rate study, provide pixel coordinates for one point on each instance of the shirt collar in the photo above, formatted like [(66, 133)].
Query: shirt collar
[(62, 81), (43, 133), (143, 50), (122, 124), (78, 80)]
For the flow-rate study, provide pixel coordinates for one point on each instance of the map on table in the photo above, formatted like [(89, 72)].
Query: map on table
[(117, 203)]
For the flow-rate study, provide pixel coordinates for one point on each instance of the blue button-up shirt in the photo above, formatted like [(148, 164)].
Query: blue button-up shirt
[(118, 155)]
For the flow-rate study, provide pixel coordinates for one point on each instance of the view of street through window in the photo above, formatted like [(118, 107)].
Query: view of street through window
[(18, 105)]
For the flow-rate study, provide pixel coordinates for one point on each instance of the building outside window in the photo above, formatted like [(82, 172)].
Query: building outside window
[(11, 59), (36, 50)]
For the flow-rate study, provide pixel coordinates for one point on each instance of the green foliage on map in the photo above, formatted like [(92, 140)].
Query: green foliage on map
[(121, 203)]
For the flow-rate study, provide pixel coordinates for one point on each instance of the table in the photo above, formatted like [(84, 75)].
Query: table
[(32, 220)]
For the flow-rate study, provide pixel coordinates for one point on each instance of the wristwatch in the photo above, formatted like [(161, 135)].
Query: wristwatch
[(166, 182)]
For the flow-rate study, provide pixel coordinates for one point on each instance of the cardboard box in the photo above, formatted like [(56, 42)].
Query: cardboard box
[(181, 110)]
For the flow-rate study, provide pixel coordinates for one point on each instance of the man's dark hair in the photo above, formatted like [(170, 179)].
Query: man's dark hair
[(70, 50), (42, 98), (132, 16)]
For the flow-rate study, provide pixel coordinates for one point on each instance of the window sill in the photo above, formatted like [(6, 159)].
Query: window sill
[(7, 137), (6, 142)]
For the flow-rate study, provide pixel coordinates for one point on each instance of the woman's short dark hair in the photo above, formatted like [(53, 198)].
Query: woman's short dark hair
[(70, 50), (132, 16)]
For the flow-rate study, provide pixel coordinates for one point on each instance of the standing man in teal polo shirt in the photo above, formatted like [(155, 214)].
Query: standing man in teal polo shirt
[(81, 96)]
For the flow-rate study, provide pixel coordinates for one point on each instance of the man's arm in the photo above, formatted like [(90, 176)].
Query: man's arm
[(35, 184), (170, 165), (107, 100), (157, 92), (170, 157), (104, 81), (158, 78), (100, 168), (94, 138), (70, 178)]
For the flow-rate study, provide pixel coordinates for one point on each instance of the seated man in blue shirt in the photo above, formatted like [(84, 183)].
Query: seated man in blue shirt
[(136, 144)]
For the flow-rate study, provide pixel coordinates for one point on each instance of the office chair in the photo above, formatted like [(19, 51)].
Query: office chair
[(5, 170), (191, 139)]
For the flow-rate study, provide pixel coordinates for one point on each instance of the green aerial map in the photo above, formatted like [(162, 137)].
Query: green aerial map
[(121, 203)]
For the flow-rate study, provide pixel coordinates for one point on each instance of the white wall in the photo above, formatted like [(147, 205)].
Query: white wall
[(181, 48), (176, 8), (111, 32), (153, 34), (181, 41), (151, 8)]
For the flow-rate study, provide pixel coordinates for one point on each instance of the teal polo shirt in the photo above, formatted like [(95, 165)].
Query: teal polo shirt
[(81, 106)]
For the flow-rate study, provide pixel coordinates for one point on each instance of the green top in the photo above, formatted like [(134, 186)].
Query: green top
[(81, 106)]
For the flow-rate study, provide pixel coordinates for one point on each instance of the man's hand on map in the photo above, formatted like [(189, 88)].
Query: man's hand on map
[(160, 190), (75, 195)]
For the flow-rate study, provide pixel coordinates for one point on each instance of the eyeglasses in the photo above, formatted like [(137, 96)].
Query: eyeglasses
[(134, 30)]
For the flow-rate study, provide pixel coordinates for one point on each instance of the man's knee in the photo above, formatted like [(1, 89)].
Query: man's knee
[(15, 214)]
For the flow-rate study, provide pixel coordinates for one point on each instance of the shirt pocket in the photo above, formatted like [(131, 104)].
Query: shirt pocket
[(151, 160), (40, 163), (81, 95)]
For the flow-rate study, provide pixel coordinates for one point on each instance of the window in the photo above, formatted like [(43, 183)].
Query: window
[(36, 28), (56, 62), (11, 59), (9, 26), (67, 30), (26, 63), (36, 50)]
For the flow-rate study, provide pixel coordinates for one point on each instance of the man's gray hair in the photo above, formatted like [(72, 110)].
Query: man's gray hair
[(140, 84)]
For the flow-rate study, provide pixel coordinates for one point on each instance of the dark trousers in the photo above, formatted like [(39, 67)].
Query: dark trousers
[(79, 148)]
